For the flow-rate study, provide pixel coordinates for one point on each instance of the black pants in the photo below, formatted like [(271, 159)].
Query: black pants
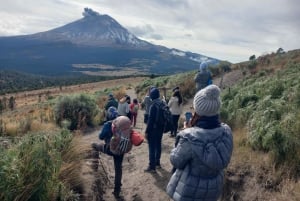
[(175, 124), (118, 160), (154, 145)]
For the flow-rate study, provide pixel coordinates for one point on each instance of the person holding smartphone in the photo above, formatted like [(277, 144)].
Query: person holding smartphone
[(203, 150), (175, 105)]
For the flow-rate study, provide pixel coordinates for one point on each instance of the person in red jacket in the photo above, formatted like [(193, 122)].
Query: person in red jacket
[(134, 108)]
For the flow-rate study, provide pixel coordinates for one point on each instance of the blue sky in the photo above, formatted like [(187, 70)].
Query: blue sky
[(231, 30)]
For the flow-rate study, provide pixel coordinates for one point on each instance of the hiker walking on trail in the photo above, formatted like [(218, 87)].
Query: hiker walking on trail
[(134, 108), (123, 107), (203, 151), (146, 103), (106, 134), (175, 105), (154, 132), (111, 102), (128, 100), (203, 77)]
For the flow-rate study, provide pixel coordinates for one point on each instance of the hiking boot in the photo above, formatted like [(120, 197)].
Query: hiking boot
[(150, 170), (116, 193), (96, 146)]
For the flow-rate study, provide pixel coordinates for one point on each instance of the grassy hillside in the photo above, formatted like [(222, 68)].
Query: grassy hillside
[(268, 105)]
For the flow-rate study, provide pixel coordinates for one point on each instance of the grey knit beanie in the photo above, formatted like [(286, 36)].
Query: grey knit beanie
[(203, 66), (207, 101)]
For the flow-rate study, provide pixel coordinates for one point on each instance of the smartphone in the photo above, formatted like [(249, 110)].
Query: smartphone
[(188, 116)]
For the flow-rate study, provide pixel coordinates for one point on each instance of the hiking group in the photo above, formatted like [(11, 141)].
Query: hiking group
[(202, 149)]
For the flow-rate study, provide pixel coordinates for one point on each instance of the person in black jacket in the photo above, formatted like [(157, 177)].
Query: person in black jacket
[(154, 132)]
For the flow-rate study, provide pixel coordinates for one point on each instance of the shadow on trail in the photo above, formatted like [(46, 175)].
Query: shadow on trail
[(162, 178)]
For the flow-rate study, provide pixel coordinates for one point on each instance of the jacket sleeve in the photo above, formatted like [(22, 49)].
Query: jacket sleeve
[(106, 131), (181, 154)]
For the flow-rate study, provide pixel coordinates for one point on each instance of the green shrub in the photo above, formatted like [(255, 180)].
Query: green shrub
[(29, 169), (276, 89), (252, 64), (79, 110)]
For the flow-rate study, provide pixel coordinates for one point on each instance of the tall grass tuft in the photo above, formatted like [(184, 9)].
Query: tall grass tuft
[(29, 170)]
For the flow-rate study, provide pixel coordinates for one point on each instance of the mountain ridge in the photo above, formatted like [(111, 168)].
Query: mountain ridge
[(93, 39)]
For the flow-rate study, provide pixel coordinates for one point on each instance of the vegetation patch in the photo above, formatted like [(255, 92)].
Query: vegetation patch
[(269, 108)]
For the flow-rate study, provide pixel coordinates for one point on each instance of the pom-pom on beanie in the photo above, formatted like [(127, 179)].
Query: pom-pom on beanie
[(154, 93), (207, 101)]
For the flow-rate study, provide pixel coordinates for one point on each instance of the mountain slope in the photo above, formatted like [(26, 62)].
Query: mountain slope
[(94, 30), (95, 45)]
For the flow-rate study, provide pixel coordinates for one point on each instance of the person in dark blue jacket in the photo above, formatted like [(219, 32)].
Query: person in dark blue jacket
[(202, 153), (106, 135), (154, 132)]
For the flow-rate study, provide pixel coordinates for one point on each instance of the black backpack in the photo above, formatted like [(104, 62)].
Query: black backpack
[(164, 117)]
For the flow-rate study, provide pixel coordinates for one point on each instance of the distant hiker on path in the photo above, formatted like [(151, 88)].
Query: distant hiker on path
[(123, 106), (175, 105), (106, 135), (128, 100), (154, 132), (203, 151), (203, 77), (111, 102), (134, 108), (146, 103)]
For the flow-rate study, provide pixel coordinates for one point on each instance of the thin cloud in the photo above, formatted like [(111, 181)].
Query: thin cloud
[(225, 29)]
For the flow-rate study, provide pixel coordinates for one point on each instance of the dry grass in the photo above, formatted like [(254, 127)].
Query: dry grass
[(29, 98), (33, 113), (70, 172), (242, 152), (251, 175)]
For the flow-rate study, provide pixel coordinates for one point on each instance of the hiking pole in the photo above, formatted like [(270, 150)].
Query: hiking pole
[(105, 172)]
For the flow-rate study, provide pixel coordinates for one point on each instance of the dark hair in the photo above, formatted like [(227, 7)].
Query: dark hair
[(128, 99), (135, 101), (178, 95)]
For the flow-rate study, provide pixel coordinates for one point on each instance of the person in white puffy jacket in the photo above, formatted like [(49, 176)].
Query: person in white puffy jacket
[(175, 105), (202, 153)]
